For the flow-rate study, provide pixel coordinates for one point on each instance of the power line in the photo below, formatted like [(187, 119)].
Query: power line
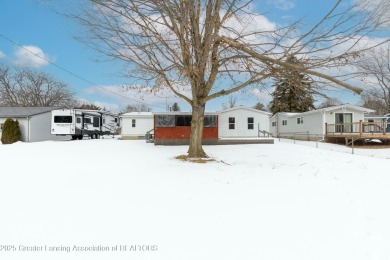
[(73, 74)]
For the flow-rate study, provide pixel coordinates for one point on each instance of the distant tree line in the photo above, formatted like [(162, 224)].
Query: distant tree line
[(27, 87)]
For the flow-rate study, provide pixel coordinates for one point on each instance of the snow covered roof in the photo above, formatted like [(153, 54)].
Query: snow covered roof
[(243, 107), (376, 116), (327, 109), (24, 111), (358, 108), (137, 114), (182, 113)]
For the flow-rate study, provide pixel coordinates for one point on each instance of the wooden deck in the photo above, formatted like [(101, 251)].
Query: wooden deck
[(358, 130)]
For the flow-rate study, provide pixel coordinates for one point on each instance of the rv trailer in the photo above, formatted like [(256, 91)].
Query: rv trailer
[(81, 122)]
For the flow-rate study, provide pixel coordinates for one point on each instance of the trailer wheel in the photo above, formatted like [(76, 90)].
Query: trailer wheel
[(97, 136), (92, 136), (80, 137), (74, 137)]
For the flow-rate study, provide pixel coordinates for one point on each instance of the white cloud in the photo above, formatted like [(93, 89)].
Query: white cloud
[(123, 96), (30, 56), (2, 55), (282, 4)]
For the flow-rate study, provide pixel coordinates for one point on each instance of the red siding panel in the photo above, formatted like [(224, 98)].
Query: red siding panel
[(183, 133)]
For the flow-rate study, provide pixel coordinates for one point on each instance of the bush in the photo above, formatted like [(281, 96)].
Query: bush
[(11, 132)]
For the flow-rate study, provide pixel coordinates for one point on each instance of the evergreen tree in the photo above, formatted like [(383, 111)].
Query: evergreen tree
[(11, 132), (175, 107), (293, 91)]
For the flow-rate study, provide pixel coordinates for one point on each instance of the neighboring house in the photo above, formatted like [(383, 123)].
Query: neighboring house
[(174, 128), (242, 122), (373, 122), (134, 125), (311, 125), (34, 122)]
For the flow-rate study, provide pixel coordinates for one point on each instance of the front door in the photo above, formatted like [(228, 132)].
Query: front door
[(343, 122)]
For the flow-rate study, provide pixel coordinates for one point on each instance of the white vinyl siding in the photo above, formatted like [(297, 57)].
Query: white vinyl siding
[(136, 126), (242, 122), (36, 129)]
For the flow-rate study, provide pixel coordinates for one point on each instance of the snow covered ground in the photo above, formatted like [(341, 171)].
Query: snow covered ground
[(75, 199)]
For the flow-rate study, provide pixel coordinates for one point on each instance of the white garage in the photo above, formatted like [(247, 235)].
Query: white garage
[(34, 122)]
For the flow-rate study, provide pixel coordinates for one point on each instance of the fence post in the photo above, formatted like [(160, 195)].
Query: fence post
[(294, 138), (326, 128), (316, 141), (353, 150), (360, 128)]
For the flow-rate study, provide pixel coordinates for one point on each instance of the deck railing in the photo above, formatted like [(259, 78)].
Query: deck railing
[(360, 128)]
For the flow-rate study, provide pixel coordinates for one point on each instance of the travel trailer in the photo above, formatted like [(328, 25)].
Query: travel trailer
[(81, 122)]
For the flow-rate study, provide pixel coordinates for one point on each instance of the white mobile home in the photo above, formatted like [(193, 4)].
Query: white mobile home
[(34, 122), (242, 122), (136, 124), (311, 124)]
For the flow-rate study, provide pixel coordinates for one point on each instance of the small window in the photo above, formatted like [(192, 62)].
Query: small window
[(133, 122), (78, 120), (284, 122), (232, 122), (87, 120), (251, 123), (273, 123), (63, 119), (300, 120)]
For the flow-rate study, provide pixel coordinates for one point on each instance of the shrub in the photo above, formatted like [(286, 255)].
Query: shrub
[(11, 132)]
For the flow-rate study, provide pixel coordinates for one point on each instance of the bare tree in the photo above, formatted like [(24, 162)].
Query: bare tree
[(136, 108), (375, 68), (30, 88), (212, 48), (374, 99), (329, 102), (231, 103), (259, 106)]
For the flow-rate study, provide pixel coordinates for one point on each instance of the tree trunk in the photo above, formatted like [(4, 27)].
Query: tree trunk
[(196, 150)]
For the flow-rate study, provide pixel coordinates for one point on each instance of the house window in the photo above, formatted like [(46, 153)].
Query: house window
[(251, 123), (273, 123), (232, 122), (183, 120), (165, 120), (210, 121), (284, 122), (300, 120), (132, 122)]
